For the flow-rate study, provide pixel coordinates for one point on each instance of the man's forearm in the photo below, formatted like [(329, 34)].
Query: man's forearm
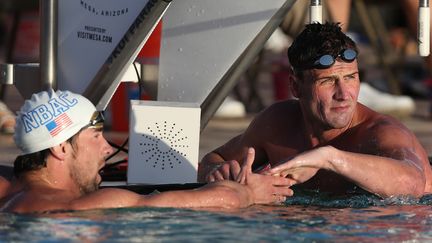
[(221, 194), (207, 164), (379, 175)]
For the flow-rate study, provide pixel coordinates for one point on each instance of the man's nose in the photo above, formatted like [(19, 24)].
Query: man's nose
[(108, 149), (341, 90)]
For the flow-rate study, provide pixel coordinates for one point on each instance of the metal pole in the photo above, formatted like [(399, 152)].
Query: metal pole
[(48, 43), (315, 12), (228, 81), (423, 26), (423, 3)]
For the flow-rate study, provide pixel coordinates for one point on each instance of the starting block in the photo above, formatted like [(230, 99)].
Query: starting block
[(163, 142)]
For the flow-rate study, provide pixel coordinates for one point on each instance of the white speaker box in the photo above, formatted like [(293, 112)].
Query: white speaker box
[(163, 142)]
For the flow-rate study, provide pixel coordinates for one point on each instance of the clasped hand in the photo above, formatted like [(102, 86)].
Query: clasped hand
[(264, 188), (302, 167)]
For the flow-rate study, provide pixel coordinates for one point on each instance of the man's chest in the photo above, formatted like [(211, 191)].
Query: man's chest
[(281, 150)]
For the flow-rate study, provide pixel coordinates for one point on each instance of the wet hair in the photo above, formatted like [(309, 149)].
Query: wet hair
[(317, 40), (30, 162), (37, 160)]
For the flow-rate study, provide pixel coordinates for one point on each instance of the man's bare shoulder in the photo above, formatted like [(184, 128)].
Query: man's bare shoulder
[(386, 132), (278, 118), (376, 122), (287, 110), (29, 201), (290, 105)]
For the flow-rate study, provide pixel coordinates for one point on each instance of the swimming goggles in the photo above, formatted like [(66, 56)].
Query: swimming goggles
[(96, 120), (326, 61)]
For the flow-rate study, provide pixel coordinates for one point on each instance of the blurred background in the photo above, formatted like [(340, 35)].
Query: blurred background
[(395, 79)]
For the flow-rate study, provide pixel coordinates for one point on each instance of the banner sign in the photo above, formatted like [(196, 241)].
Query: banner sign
[(88, 31)]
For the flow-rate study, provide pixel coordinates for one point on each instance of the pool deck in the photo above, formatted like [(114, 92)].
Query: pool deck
[(220, 130)]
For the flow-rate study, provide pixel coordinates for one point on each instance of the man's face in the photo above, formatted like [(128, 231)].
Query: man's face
[(90, 151), (329, 96)]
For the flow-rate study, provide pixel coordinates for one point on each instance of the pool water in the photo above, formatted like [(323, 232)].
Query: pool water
[(354, 219)]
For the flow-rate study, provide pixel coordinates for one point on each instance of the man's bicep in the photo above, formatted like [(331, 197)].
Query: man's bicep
[(120, 198), (106, 198), (400, 144)]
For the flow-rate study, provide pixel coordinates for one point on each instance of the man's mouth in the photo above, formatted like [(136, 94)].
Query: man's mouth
[(101, 169), (340, 108)]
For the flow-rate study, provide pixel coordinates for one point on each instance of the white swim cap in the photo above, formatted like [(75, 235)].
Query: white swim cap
[(50, 118)]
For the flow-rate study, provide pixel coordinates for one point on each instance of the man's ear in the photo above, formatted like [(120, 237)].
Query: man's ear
[(59, 151), (295, 88)]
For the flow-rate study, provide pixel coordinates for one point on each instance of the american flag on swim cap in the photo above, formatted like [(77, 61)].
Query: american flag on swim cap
[(58, 124)]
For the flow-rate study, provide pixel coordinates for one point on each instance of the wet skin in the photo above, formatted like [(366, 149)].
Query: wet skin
[(71, 178), (326, 140)]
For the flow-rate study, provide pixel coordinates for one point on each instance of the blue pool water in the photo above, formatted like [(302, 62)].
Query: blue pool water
[(354, 219)]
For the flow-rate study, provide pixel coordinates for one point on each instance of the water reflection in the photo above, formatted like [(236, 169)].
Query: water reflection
[(322, 219)]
